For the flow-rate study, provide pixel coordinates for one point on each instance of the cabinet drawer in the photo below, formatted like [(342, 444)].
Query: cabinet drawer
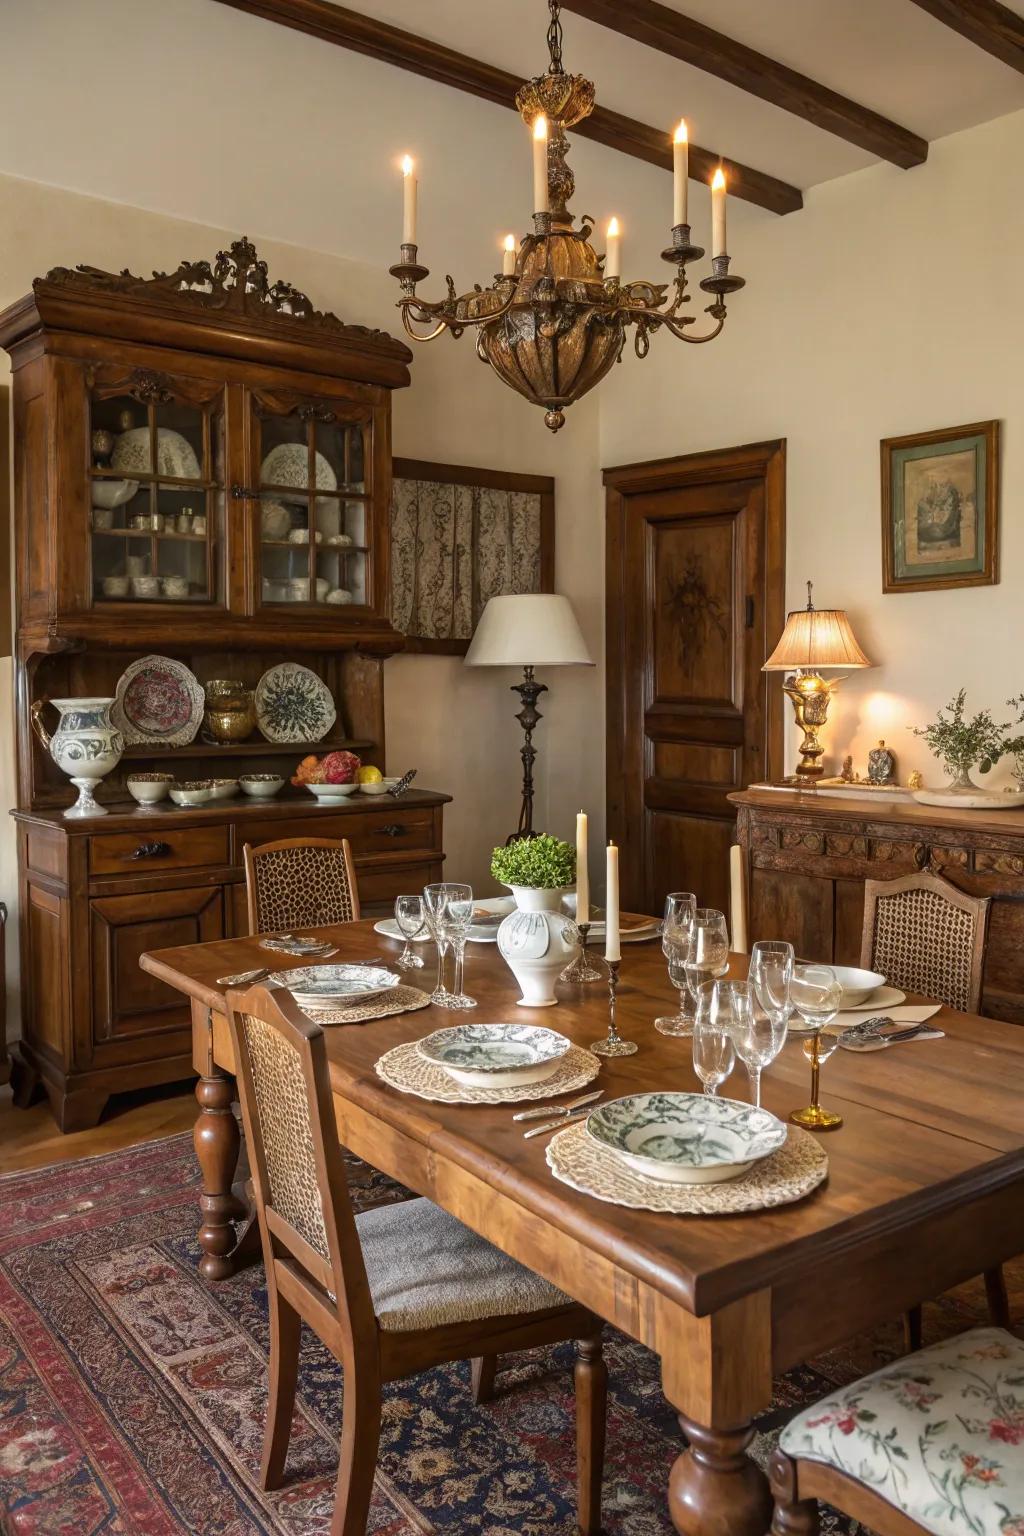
[(381, 883), (390, 830), (134, 853)]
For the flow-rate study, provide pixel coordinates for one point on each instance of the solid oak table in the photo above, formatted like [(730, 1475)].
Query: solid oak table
[(925, 1189)]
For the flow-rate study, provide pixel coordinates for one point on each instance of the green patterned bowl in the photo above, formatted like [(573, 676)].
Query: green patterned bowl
[(495, 1055), (686, 1138)]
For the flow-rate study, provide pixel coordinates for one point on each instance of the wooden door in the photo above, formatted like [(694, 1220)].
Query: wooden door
[(695, 600)]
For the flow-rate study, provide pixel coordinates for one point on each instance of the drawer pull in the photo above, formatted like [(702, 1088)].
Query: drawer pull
[(151, 851), (393, 829)]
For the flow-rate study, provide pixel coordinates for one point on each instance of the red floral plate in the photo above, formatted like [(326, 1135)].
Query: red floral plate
[(158, 701)]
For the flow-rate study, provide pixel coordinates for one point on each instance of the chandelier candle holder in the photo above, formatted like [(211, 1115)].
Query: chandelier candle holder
[(554, 320)]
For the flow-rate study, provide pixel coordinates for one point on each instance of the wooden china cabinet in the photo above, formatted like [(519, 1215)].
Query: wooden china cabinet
[(202, 471)]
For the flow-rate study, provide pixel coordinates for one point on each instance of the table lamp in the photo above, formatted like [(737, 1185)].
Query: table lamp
[(528, 629), (813, 638)]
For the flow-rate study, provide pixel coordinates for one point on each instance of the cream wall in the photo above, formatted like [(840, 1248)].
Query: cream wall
[(891, 304)]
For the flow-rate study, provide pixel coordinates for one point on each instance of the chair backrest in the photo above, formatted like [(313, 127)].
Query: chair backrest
[(299, 1178), (300, 883), (926, 936)]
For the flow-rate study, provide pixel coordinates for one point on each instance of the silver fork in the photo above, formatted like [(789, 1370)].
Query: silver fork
[(556, 1125), (548, 1111)]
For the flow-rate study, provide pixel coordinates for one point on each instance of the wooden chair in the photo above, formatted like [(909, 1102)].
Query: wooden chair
[(300, 883), (923, 1447), (391, 1291), (925, 936)]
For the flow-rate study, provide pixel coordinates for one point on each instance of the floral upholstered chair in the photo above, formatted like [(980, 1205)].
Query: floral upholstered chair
[(932, 1445), (300, 883)]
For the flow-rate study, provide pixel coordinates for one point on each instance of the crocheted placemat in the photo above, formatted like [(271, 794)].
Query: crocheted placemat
[(788, 1174), (405, 1069), (398, 1000)]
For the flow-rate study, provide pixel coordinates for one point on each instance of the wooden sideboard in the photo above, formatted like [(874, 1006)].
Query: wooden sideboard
[(808, 856), (96, 894)]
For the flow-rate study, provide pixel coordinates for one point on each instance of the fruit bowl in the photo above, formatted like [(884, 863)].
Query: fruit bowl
[(329, 792)]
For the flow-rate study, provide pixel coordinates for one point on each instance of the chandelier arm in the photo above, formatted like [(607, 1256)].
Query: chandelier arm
[(682, 335), (442, 325)]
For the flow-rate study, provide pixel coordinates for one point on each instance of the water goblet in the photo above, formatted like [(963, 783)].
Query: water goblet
[(707, 952), (411, 919), (458, 919), (757, 1036), (435, 905), (713, 1052), (771, 971), (675, 936), (816, 995)]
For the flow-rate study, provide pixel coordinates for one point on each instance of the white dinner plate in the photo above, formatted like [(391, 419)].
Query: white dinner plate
[(390, 929)]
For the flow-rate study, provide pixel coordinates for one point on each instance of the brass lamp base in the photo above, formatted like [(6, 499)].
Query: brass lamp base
[(810, 693)]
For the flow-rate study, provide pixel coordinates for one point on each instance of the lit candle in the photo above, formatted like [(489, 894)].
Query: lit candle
[(540, 164), (680, 174), (611, 260), (718, 247), (582, 873), (612, 949), (408, 201), (508, 260)]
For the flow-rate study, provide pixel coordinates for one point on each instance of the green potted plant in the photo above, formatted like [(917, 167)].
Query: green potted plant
[(961, 744), (1011, 746), (537, 870)]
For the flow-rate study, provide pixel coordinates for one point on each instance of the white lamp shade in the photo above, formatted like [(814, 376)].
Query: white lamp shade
[(528, 629)]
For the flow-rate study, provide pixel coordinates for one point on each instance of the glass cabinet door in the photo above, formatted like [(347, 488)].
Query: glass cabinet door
[(313, 529), (156, 480)]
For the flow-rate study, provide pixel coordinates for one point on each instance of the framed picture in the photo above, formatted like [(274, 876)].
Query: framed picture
[(459, 536), (940, 517)]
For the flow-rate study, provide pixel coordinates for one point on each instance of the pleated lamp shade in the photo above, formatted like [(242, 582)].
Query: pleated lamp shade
[(816, 637)]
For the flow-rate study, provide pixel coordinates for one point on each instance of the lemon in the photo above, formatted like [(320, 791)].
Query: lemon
[(369, 775)]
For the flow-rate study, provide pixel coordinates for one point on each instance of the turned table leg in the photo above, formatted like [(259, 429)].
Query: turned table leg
[(714, 1487), (217, 1143)]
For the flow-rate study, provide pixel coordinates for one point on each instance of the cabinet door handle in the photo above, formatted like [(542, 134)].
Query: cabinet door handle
[(244, 493), (151, 851), (393, 829)]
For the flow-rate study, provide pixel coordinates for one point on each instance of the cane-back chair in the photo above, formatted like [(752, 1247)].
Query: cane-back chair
[(925, 936), (390, 1291), (300, 883)]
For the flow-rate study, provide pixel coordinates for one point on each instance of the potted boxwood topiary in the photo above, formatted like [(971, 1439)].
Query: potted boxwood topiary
[(537, 940)]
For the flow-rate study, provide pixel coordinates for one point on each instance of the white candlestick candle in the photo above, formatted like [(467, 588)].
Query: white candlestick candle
[(582, 872), (611, 260), (718, 245), (540, 164), (408, 201), (508, 259), (680, 174), (612, 946)]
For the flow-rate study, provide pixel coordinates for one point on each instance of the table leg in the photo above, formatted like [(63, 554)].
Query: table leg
[(217, 1143), (714, 1488)]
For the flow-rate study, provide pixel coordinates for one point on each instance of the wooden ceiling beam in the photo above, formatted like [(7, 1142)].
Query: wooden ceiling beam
[(405, 50), (986, 23), (668, 31)]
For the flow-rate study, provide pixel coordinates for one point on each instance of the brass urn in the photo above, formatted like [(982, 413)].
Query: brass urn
[(230, 712)]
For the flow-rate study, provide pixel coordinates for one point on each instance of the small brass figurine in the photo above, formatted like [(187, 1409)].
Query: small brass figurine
[(848, 776), (915, 780), (881, 765)]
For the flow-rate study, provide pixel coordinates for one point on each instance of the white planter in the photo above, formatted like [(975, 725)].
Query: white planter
[(537, 941), (86, 745)]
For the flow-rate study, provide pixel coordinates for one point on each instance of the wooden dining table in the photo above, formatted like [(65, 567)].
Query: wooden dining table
[(925, 1188)]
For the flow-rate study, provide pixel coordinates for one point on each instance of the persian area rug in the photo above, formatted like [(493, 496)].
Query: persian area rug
[(133, 1394)]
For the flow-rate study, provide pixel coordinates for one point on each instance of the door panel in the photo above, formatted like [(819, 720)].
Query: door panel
[(695, 595)]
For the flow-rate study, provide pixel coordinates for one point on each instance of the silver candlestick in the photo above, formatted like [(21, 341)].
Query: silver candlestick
[(580, 968), (613, 1043)]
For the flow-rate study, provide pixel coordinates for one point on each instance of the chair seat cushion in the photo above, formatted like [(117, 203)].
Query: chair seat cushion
[(426, 1270), (940, 1434)]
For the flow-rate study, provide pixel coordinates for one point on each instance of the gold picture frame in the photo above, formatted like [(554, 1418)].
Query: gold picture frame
[(940, 513)]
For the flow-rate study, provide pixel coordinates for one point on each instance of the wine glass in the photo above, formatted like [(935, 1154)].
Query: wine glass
[(707, 952), (816, 996), (757, 1036), (675, 936), (771, 971), (435, 905), (410, 917), (458, 918), (713, 1052)]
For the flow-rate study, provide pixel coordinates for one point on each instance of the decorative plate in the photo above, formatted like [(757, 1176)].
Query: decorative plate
[(175, 455), (686, 1138), (315, 986), (293, 705), (971, 799), (160, 701), (288, 464), (495, 1055)]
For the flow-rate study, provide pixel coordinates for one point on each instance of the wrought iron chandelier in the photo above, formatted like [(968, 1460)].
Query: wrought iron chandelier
[(553, 322)]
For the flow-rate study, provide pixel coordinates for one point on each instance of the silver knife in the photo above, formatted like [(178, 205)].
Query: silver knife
[(547, 1110), (556, 1125)]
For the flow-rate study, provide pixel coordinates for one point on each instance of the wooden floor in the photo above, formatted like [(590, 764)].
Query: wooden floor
[(29, 1138)]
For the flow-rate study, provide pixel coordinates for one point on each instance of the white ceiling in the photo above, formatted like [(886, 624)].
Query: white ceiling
[(884, 54)]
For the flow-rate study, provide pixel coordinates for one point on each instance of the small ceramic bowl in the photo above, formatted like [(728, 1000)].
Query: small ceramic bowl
[(261, 786), (148, 788), (174, 586), (339, 595), (223, 789), (857, 985), (112, 493), (332, 792), (380, 788), (192, 792), (116, 586), (145, 586)]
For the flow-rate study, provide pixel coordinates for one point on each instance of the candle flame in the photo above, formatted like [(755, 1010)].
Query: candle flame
[(408, 165), (681, 134), (510, 242), (540, 127), (718, 181), (613, 226)]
